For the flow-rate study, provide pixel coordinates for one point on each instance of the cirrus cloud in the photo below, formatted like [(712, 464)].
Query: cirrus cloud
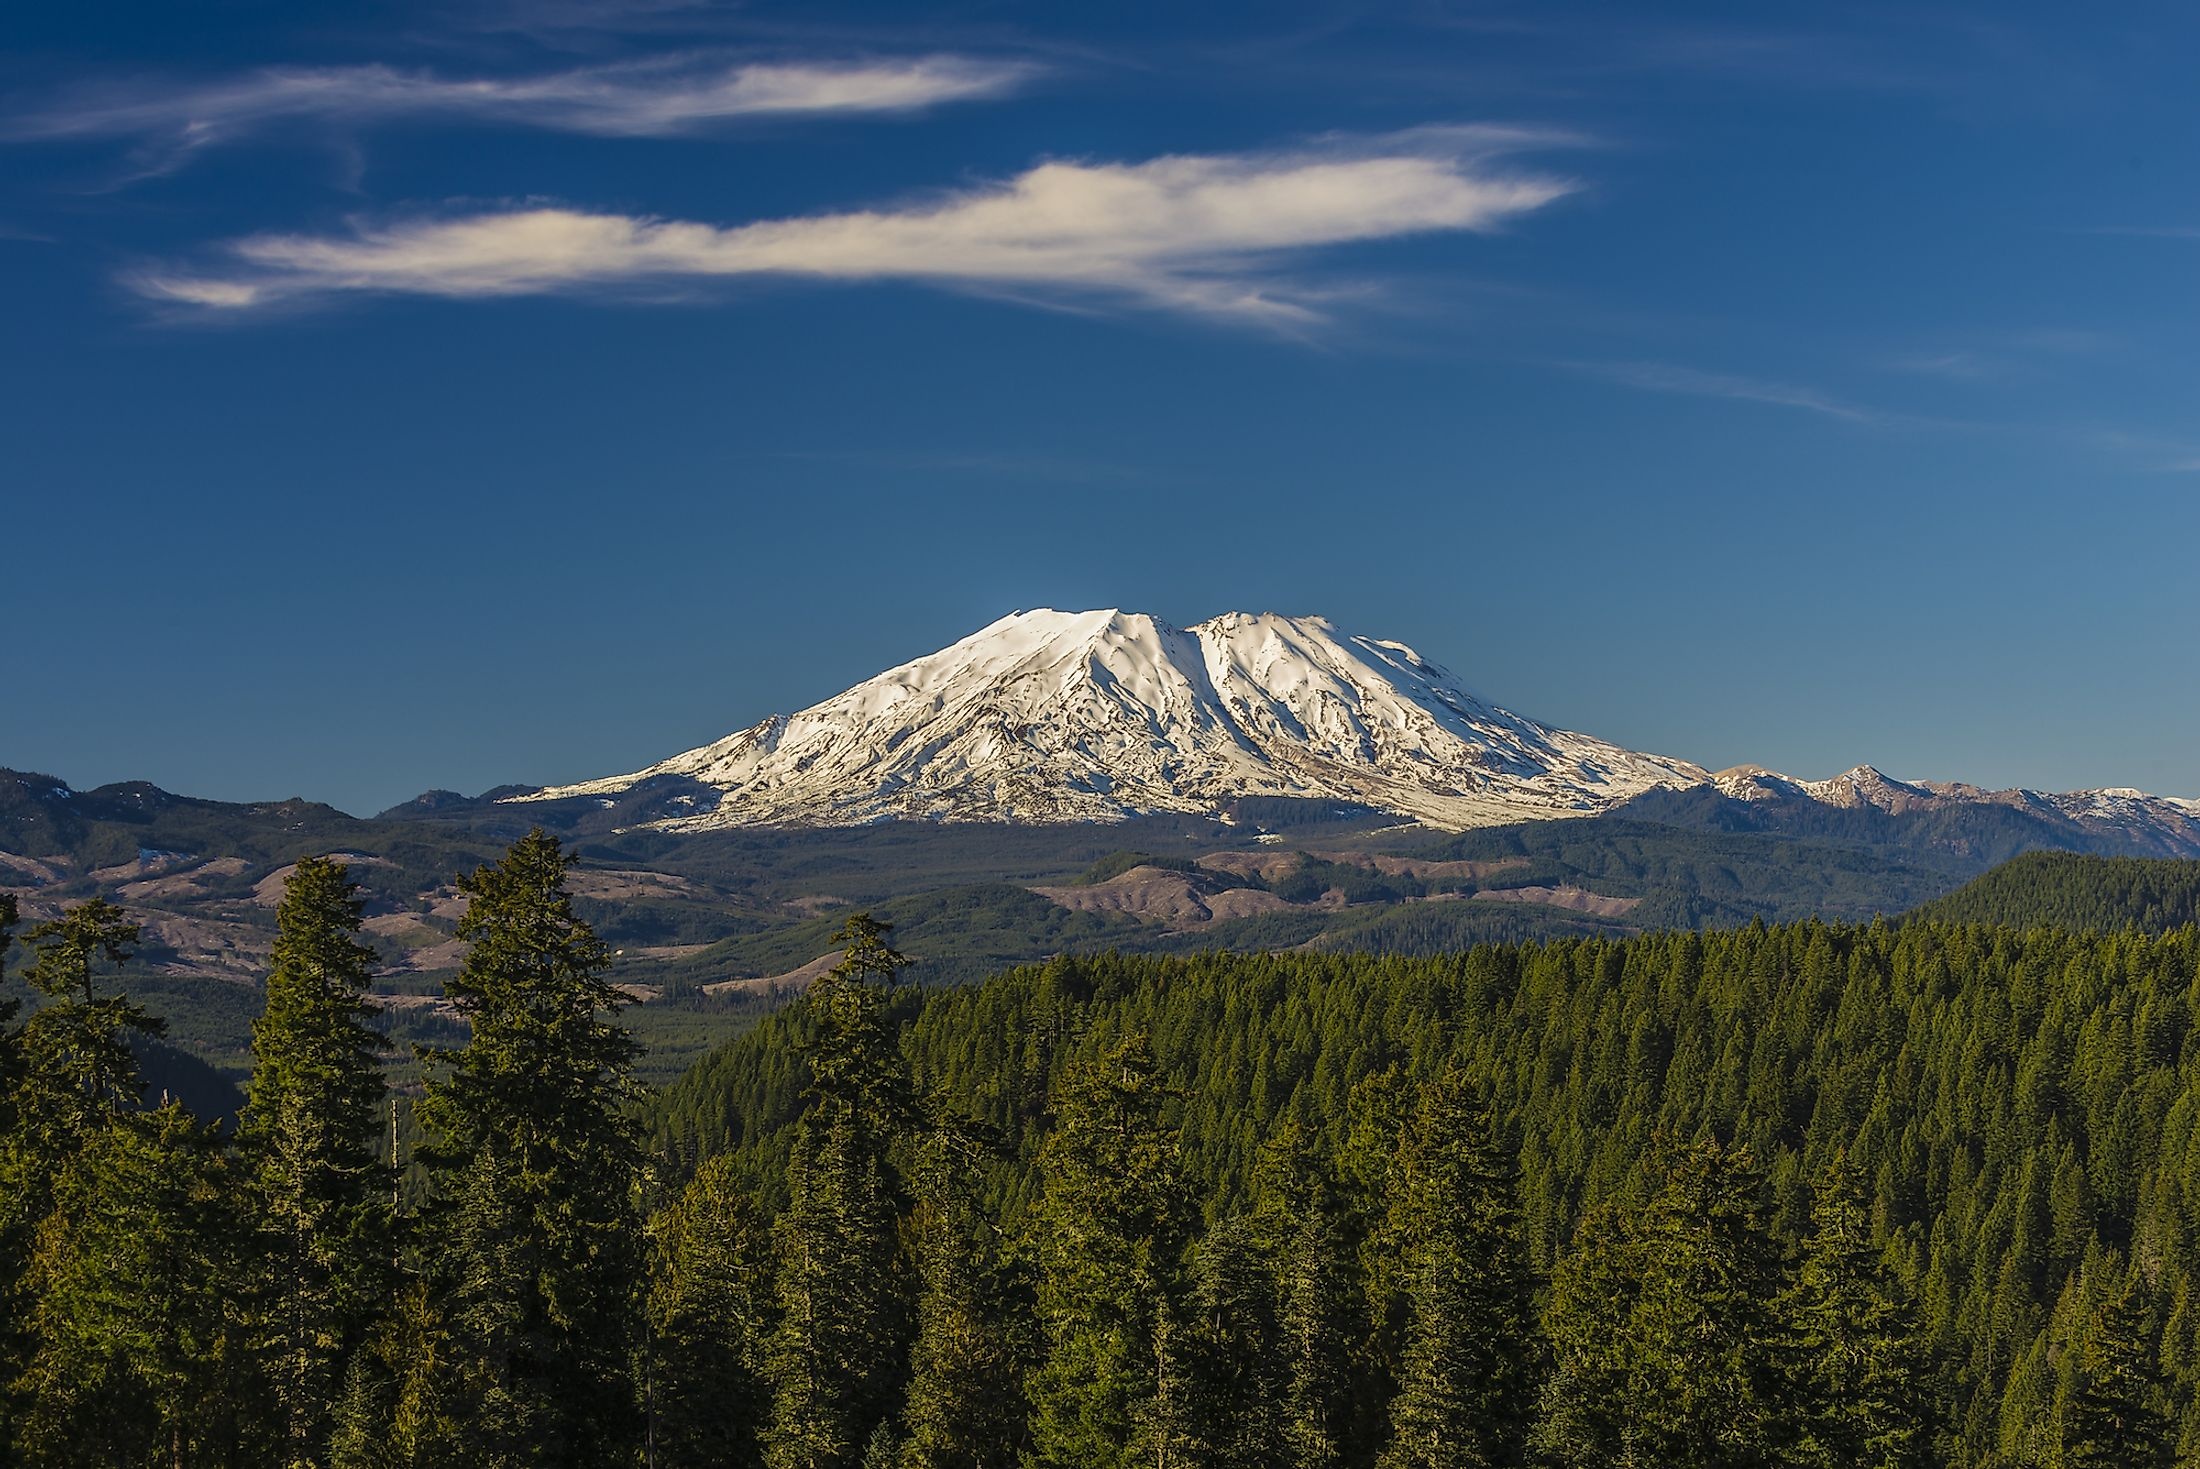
[(1208, 234), (1667, 377), (660, 97)]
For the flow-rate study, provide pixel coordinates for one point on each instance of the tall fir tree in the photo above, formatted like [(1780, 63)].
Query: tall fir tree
[(13, 1153), (1109, 1235), (309, 1137), (1713, 1390), (1466, 1383), (1371, 1175), (135, 1356), (1862, 1397), (2115, 1418), (1661, 1320), (81, 1072), (1233, 1393), (11, 1047), (402, 1402), (837, 1360), (2028, 1430), (1300, 1225), (964, 1408), (1582, 1418), (709, 1285), (537, 1238), (76, 1078)]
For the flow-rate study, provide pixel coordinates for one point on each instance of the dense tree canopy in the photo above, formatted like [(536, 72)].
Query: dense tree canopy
[(2009, 1114), (1814, 1195), (2069, 891)]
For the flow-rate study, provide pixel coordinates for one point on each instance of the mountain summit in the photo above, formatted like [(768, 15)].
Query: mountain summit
[(1049, 716), (1052, 716)]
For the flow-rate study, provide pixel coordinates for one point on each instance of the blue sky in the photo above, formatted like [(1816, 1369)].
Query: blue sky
[(523, 392)]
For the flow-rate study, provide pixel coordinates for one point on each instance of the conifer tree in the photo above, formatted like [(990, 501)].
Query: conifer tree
[(1862, 1398), (2027, 1433), (13, 1155), (1465, 1387), (1109, 1235), (1299, 1224), (536, 1239), (964, 1408), (1662, 1327), (1710, 1338), (401, 1406), (320, 1191), (76, 1079), (882, 1450), (133, 1359), (11, 1062), (709, 1281), (1371, 1176), (2115, 1417), (1582, 1419), (82, 1073), (837, 1359), (1232, 1399)]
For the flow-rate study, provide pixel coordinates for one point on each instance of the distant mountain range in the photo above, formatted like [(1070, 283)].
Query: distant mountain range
[(1049, 716), (1057, 782)]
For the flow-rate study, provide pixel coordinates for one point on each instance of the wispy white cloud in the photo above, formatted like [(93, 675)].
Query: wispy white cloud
[(2151, 453), (2001, 355), (1210, 235), (660, 97), (1666, 377)]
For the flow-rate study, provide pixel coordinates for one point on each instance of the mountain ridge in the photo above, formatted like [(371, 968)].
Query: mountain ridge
[(1055, 716), (1047, 716)]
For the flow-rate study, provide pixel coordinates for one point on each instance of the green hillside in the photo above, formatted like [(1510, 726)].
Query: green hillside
[(2071, 891), (689, 915), (1771, 1196), (2021, 1109)]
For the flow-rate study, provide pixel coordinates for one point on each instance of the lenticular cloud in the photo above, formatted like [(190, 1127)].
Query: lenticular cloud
[(1212, 234)]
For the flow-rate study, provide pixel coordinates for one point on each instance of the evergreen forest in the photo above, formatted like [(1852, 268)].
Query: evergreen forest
[(2067, 890), (1812, 1194)]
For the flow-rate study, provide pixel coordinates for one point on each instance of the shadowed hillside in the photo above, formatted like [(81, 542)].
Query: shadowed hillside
[(2072, 891)]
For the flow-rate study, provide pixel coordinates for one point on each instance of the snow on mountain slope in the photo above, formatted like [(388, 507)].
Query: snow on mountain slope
[(1851, 790), (1098, 716), (2129, 820)]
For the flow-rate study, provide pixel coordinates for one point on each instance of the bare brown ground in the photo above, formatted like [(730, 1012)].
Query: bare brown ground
[(793, 981), (1577, 900), (268, 891), (188, 883), (1160, 895), (614, 883), (32, 871)]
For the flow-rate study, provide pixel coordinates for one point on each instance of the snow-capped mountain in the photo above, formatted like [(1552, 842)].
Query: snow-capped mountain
[(2132, 821), (1052, 716), (1097, 716)]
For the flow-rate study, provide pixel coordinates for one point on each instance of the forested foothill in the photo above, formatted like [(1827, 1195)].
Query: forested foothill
[(2070, 891), (704, 929), (1807, 1194)]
